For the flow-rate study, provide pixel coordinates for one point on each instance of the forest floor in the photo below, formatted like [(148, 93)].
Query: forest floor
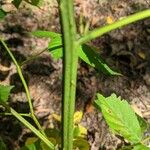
[(126, 50)]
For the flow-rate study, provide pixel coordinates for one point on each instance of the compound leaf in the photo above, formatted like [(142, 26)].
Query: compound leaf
[(4, 92), (86, 53), (120, 117)]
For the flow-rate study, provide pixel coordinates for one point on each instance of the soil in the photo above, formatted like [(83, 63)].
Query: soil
[(126, 50)]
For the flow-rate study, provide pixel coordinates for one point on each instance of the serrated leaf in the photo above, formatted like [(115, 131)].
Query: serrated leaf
[(120, 117), (86, 53), (77, 117), (143, 124), (141, 147), (17, 3), (89, 55), (45, 34), (4, 92), (2, 14)]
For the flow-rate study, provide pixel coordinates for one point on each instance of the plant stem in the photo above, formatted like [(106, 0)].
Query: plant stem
[(24, 84), (10, 114), (146, 139), (32, 57), (28, 125), (102, 30), (70, 61)]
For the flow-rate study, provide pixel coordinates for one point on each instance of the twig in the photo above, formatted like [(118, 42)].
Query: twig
[(24, 84)]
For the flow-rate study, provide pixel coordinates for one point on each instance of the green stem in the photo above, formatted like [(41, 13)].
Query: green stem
[(24, 84), (145, 140), (32, 57), (70, 61), (10, 114), (28, 125), (102, 30)]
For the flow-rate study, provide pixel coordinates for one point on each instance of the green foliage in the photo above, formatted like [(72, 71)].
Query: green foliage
[(117, 113), (81, 144), (4, 92), (143, 124), (2, 145), (140, 147), (120, 117), (122, 120), (45, 34), (87, 53), (2, 14), (17, 3)]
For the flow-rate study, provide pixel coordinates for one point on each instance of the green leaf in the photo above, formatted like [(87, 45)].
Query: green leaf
[(91, 57), (34, 2), (81, 144), (120, 117), (17, 3), (141, 147), (29, 147), (2, 145), (31, 140), (32, 143), (79, 131), (45, 34), (143, 124), (55, 47), (86, 53), (54, 134), (2, 14), (4, 92)]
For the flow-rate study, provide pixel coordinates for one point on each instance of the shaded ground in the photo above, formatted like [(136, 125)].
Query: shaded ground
[(125, 50)]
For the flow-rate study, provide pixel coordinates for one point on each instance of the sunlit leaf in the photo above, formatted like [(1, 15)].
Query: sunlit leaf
[(4, 92), (86, 53), (45, 34), (55, 47), (56, 117), (120, 117), (141, 147), (80, 131), (78, 116)]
